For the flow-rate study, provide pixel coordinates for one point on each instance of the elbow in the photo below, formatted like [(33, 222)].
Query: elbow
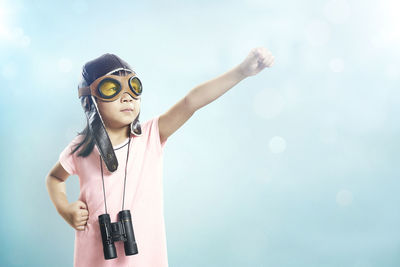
[(49, 176), (48, 180), (51, 179), (190, 104)]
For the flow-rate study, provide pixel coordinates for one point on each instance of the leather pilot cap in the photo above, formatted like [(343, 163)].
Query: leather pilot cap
[(92, 70)]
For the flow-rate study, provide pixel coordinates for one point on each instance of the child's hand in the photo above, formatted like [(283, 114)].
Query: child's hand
[(256, 61), (76, 214)]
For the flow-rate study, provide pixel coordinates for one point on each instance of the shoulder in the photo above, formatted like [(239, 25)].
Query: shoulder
[(73, 143), (150, 125)]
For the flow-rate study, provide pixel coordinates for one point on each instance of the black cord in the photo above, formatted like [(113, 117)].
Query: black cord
[(104, 190), (126, 166), (102, 178)]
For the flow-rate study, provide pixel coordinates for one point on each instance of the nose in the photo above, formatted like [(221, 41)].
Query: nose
[(126, 97)]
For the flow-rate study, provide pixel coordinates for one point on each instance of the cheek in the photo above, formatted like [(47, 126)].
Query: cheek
[(106, 109)]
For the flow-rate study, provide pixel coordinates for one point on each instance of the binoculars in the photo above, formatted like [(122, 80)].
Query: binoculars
[(122, 230)]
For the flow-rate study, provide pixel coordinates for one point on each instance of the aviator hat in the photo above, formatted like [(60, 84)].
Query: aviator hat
[(92, 70)]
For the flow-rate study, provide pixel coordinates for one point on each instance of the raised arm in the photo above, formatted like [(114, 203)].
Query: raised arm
[(205, 93)]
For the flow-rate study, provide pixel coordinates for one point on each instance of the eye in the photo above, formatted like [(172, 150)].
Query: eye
[(109, 91), (136, 85), (109, 88)]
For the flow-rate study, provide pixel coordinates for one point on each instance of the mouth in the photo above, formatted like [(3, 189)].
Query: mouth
[(127, 110)]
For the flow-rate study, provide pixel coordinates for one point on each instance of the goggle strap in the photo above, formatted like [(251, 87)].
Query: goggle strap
[(118, 69), (84, 91)]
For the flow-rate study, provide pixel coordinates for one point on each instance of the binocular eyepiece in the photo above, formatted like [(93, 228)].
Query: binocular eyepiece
[(122, 230)]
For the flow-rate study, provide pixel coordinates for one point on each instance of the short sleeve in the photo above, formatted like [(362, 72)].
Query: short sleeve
[(155, 135), (67, 160)]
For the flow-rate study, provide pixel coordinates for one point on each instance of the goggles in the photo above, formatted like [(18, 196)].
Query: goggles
[(110, 87)]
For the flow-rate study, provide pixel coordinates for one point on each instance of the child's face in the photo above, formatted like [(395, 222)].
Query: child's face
[(119, 113)]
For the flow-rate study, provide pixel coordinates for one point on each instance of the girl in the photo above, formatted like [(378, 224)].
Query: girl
[(119, 161)]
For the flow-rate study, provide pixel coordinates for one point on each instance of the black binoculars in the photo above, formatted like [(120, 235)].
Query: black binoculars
[(122, 230)]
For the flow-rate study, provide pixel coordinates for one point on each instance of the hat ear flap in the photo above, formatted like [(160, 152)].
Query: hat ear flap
[(136, 129), (98, 130)]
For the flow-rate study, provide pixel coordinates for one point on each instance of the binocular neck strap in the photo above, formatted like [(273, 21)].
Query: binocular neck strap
[(102, 178)]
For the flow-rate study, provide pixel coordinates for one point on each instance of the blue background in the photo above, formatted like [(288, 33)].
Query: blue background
[(295, 166)]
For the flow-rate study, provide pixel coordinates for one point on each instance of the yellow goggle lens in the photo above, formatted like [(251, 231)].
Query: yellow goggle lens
[(109, 88), (136, 85)]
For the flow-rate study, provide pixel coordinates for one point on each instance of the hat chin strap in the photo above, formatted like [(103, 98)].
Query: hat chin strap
[(100, 136), (136, 129)]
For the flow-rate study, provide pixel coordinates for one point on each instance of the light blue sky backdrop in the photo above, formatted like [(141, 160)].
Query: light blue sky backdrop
[(293, 167)]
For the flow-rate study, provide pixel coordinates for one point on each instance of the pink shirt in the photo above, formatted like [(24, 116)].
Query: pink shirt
[(143, 196)]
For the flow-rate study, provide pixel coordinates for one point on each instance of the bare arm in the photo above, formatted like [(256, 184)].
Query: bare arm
[(205, 93), (55, 183), (74, 213), (197, 98)]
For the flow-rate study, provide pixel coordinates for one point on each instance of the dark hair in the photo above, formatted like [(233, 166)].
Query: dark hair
[(87, 143)]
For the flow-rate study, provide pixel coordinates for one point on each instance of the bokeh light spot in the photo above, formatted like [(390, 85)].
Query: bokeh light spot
[(336, 65), (344, 197), (277, 144), (64, 65)]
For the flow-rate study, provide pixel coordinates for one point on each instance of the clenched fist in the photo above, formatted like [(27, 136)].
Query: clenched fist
[(76, 215), (256, 61)]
